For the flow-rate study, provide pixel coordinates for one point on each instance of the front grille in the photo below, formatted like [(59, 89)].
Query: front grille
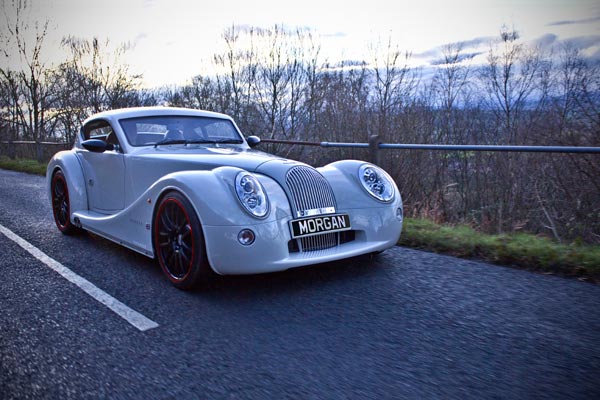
[(320, 242), (310, 192)]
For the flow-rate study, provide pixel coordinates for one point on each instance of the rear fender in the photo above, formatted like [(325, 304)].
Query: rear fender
[(68, 163)]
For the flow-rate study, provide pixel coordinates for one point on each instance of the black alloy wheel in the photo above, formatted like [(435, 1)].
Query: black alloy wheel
[(61, 207), (179, 242)]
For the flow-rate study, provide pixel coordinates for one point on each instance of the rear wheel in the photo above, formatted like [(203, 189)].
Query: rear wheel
[(179, 242), (61, 206)]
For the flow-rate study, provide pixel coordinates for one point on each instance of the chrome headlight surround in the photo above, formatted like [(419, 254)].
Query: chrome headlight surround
[(251, 194), (376, 182)]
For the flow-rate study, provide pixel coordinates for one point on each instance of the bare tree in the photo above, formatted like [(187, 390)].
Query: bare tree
[(101, 79), (27, 82), (393, 86), (235, 72), (510, 78), (450, 86)]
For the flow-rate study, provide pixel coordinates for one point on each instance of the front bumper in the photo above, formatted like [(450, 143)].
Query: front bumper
[(375, 229)]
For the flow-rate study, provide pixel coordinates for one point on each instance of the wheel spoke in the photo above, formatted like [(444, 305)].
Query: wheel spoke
[(185, 230), (180, 268), (186, 259), (186, 247), (170, 257), (176, 218), (59, 189), (166, 221)]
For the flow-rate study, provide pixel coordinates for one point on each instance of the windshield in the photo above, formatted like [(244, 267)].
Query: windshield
[(170, 129)]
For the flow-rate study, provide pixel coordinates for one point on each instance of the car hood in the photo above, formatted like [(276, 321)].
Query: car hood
[(149, 164), (205, 158), (169, 159)]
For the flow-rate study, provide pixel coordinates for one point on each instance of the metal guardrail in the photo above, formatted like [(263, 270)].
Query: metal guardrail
[(41, 151), (375, 145), (447, 147), (33, 142)]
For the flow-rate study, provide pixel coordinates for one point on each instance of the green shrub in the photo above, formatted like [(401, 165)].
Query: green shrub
[(520, 249), (23, 165)]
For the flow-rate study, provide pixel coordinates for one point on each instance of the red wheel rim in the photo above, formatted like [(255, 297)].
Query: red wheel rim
[(174, 240)]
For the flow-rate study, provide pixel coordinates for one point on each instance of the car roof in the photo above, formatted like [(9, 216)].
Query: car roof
[(153, 111)]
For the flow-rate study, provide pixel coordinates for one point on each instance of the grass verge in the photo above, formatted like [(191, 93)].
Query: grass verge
[(520, 250), (23, 165)]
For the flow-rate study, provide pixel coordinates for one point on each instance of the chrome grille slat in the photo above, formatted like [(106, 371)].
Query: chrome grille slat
[(309, 190), (311, 194), (319, 242)]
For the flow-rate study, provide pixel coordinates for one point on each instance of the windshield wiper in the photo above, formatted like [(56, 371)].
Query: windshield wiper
[(198, 141), (216, 141), (171, 141)]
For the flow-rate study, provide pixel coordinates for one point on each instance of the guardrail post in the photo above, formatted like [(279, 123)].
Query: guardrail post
[(11, 150), (374, 149)]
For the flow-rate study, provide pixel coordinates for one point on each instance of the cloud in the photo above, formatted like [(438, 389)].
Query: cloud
[(574, 21), (461, 57), (148, 3), (346, 64), (437, 52), (139, 37), (334, 35), (583, 42), (467, 44), (546, 40)]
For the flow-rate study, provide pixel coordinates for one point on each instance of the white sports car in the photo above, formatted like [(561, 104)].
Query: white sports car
[(186, 188)]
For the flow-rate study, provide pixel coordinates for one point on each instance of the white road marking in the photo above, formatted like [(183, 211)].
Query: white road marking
[(133, 317)]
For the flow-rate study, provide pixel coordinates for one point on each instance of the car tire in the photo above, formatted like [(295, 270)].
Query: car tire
[(61, 205), (179, 242)]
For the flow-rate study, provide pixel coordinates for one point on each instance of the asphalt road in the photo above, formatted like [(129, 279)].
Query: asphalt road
[(408, 325)]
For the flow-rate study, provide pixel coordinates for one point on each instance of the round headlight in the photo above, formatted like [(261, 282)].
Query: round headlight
[(376, 182), (251, 194)]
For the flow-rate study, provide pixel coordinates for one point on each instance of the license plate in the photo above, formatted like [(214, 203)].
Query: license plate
[(318, 225)]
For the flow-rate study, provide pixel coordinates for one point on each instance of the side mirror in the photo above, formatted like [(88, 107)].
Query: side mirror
[(253, 141), (96, 145)]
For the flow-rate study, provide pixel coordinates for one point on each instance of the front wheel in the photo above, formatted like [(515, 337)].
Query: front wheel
[(179, 242)]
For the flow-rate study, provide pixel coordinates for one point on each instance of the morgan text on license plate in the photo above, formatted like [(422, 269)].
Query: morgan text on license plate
[(322, 224)]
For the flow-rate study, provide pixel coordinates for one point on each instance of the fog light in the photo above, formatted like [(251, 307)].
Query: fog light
[(246, 237), (399, 214)]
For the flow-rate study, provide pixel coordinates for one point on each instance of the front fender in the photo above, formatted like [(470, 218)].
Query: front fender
[(349, 193), (212, 194), (68, 163)]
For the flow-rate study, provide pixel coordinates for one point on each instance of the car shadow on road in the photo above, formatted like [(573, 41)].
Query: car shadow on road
[(295, 279), (231, 286)]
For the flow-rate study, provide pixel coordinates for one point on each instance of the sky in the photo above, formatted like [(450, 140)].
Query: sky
[(173, 40)]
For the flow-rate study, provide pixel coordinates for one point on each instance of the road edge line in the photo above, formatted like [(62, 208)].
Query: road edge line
[(136, 319)]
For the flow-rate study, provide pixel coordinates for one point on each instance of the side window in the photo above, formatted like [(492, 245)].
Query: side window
[(103, 131)]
